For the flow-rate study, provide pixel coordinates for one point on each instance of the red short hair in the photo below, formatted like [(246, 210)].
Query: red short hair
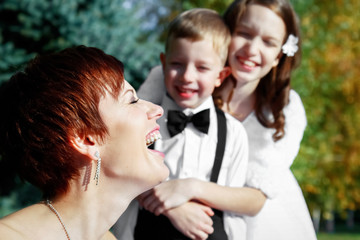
[(55, 97)]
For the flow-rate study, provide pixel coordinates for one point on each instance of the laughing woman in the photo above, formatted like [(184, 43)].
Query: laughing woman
[(72, 126)]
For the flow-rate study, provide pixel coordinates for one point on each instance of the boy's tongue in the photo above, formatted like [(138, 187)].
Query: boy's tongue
[(186, 93)]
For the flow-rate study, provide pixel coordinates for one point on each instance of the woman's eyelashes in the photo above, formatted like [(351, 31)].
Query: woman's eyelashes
[(134, 101), (243, 34)]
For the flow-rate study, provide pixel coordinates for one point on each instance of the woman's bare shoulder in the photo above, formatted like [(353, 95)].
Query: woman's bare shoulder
[(9, 232), (21, 224), (109, 236)]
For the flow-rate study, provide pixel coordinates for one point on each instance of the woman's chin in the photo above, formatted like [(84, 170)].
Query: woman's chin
[(160, 172)]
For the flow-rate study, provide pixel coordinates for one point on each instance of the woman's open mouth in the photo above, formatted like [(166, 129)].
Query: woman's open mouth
[(152, 137)]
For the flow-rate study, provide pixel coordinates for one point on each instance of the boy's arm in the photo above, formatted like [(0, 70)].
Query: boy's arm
[(192, 219), (167, 195), (232, 197), (230, 194), (240, 200)]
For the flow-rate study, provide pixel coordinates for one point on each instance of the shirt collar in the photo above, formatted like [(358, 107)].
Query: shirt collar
[(169, 104)]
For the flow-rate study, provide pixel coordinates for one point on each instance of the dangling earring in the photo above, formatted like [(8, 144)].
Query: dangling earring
[(97, 173)]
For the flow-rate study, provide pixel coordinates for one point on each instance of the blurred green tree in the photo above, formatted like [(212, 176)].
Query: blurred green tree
[(163, 11), (328, 164), (30, 27)]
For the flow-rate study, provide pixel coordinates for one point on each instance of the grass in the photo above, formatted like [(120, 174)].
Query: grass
[(338, 236), (341, 233)]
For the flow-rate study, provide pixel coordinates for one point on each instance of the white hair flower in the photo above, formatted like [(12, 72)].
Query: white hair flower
[(290, 47)]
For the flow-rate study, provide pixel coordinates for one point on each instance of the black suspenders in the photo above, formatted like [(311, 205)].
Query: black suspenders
[(220, 148), (218, 220), (149, 226)]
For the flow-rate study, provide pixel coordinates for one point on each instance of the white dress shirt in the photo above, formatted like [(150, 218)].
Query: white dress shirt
[(191, 154)]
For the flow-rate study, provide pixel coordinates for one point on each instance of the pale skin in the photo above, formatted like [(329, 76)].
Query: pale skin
[(73, 207), (88, 210), (254, 50), (23, 225)]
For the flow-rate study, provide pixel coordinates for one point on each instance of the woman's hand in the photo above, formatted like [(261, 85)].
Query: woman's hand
[(167, 195), (192, 219)]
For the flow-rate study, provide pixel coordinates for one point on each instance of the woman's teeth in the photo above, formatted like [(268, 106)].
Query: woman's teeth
[(152, 137), (248, 63)]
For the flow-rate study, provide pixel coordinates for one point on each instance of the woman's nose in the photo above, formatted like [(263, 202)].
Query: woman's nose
[(154, 111), (252, 47)]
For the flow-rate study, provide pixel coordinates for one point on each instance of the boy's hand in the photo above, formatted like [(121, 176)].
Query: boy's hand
[(167, 195), (192, 219)]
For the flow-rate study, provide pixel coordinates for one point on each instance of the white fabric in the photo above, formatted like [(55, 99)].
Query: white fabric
[(191, 154), (285, 214)]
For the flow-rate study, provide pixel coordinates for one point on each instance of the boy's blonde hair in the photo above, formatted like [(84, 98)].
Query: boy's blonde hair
[(198, 24)]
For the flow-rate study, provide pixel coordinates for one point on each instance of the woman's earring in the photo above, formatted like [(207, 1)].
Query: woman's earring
[(97, 173)]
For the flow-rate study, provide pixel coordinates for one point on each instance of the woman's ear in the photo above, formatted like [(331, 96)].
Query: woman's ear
[(85, 145), (277, 60), (224, 73)]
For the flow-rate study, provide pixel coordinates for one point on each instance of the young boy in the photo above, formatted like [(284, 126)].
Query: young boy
[(193, 65)]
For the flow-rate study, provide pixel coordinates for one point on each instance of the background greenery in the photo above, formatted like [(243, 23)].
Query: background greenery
[(329, 160)]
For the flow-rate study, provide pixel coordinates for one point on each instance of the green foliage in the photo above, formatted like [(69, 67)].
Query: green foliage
[(25, 195), (170, 9), (30, 27), (329, 160), (219, 5)]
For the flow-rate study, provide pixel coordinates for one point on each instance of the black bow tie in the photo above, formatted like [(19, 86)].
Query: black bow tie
[(177, 121)]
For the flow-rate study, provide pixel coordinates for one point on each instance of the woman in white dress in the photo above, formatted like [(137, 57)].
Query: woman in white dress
[(263, 52), (73, 127)]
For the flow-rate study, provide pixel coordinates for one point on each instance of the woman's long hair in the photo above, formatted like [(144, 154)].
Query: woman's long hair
[(272, 93)]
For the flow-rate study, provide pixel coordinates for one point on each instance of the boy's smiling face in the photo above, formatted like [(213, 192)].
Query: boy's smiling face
[(192, 69)]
